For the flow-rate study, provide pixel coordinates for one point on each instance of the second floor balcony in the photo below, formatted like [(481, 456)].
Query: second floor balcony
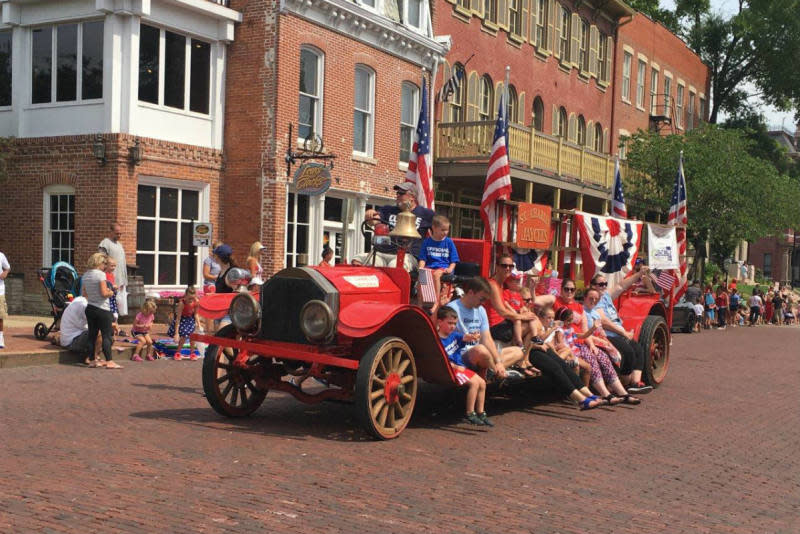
[(537, 152)]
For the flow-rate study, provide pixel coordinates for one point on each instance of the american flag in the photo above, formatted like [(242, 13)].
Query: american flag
[(665, 279), (498, 175), (451, 85), (419, 170), (677, 217), (618, 208)]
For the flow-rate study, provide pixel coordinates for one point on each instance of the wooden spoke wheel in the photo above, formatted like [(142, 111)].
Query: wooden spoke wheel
[(231, 391), (386, 388), (654, 339)]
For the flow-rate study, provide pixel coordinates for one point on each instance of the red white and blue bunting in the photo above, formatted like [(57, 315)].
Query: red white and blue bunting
[(608, 246)]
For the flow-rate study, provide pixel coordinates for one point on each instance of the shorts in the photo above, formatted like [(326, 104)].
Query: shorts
[(80, 344), (463, 376), (186, 327), (503, 331), (710, 314), (135, 333), (3, 307)]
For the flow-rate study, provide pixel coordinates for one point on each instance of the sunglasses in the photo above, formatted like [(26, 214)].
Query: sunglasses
[(527, 300), (506, 265), (568, 289), (401, 193), (600, 284)]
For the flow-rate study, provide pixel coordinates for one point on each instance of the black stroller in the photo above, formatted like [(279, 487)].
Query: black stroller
[(61, 282)]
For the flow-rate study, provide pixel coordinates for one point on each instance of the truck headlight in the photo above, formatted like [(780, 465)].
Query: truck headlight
[(245, 312), (316, 321)]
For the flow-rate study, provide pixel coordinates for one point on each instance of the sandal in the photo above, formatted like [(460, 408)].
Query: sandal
[(586, 404), (629, 399), (609, 400)]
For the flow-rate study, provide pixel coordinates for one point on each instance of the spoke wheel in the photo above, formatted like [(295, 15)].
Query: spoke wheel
[(231, 391), (654, 339), (386, 388), (40, 331)]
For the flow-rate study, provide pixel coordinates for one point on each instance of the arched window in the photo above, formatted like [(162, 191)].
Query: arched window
[(562, 122), (598, 138), (538, 114), (309, 119), (581, 130), (486, 98), (459, 95), (513, 105)]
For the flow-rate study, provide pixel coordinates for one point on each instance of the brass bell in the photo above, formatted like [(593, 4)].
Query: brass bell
[(406, 225)]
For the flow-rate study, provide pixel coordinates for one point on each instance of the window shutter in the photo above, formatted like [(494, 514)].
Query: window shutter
[(521, 108), (472, 97), (609, 55), (572, 128), (550, 26), (502, 14), (594, 44), (575, 40), (590, 134), (605, 147), (524, 19), (534, 10), (557, 30), (498, 92), (555, 120), (446, 73)]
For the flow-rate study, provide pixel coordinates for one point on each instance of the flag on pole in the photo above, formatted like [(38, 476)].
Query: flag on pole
[(665, 280), (498, 175), (419, 170), (618, 208), (451, 85), (678, 217)]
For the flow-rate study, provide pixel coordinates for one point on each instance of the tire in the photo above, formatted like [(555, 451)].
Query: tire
[(232, 392), (40, 331), (654, 340), (386, 388), (690, 322)]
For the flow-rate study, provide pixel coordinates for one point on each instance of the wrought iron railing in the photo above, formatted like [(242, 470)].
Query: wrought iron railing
[(472, 141)]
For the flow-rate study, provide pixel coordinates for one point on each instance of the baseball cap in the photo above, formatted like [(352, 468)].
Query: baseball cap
[(223, 250), (639, 261), (407, 187)]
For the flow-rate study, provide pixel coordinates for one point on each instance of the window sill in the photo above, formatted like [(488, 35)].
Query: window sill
[(565, 67), (6, 108), (625, 101), (462, 14), (515, 39), (489, 27), (640, 108), (364, 158), (174, 111), (70, 104), (541, 53), (402, 166)]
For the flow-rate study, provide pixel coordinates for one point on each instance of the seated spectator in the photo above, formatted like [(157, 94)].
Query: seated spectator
[(141, 331), (512, 296), (454, 342), (646, 282), (561, 337), (438, 253), (74, 332), (327, 257)]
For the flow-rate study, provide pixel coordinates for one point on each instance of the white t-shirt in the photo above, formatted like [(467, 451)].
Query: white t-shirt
[(115, 250), (698, 309), (91, 285), (3, 266), (73, 321)]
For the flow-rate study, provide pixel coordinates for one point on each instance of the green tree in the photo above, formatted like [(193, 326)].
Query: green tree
[(759, 46), (731, 194), (762, 145)]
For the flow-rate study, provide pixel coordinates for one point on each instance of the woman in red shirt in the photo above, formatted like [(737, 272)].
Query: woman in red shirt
[(722, 306)]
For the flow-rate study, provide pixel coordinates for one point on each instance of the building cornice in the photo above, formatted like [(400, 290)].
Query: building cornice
[(348, 18)]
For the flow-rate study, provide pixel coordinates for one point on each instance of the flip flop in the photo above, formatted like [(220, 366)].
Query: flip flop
[(113, 365), (629, 399)]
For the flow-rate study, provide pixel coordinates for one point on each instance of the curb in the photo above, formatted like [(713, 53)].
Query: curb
[(53, 357)]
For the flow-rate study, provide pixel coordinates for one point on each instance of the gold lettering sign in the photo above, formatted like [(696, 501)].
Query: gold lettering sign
[(312, 179), (533, 226)]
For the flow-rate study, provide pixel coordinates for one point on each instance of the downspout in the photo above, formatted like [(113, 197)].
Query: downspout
[(612, 128)]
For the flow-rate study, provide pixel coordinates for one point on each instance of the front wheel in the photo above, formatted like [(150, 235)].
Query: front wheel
[(231, 391), (654, 339), (386, 388)]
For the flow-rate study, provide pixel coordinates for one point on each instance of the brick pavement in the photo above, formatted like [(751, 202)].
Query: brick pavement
[(139, 450)]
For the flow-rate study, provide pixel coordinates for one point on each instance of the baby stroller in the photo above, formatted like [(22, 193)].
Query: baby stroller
[(61, 282)]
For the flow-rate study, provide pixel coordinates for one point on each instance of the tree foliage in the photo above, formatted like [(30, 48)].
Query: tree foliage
[(759, 45), (732, 195)]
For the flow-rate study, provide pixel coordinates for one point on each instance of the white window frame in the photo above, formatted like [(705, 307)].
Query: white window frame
[(626, 76), (317, 126), (690, 110), (598, 138), (540, 38), (287, 246), (701, 108), (10, 32), (187, 76), (580, 131), (583, 48), (412, 126), (654, 75), (640, 79), (565, 23), (486, 98), (679, 105), (204, 213), (47, 237), (369, 134), (667, 95), (421, 15), (624, 138), (54, 66)]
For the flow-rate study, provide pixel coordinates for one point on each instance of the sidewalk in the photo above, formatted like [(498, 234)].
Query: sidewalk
[(23, 349)]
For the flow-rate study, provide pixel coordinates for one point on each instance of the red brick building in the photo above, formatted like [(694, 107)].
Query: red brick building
[(659, 82)]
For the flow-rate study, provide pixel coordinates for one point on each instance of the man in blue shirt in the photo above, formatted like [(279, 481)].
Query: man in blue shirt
[(632, 354)]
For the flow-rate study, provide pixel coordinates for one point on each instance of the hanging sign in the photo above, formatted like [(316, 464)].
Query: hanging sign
[(312, 179), (662, 244), (201, 234), (534, 229)]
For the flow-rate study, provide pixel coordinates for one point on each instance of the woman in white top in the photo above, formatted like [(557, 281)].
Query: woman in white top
[(253, 264), (98, 310)]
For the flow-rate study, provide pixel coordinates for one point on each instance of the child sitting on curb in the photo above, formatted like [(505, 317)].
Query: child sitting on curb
[(454, 342), (141, 331)]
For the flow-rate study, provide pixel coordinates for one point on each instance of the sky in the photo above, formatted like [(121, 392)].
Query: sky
[(775, 119)]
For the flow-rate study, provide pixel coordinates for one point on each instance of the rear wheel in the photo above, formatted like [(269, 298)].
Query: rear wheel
[(654, 339), (386, 388), (40, 331), (231, 391)]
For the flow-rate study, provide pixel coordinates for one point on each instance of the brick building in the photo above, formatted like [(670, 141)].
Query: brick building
[(343, 73), (659, 82), (131, 132)]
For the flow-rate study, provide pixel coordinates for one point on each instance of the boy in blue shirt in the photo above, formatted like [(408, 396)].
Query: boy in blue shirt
[(454, 343), (438, 253)]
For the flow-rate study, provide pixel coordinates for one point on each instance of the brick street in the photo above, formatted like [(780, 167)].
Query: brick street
[(139, 450)]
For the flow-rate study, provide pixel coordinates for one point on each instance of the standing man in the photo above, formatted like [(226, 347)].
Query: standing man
[(5, 268), (112, 247)]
